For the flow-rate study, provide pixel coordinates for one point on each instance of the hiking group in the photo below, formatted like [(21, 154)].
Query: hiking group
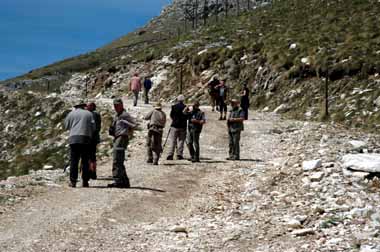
[(84, 124)]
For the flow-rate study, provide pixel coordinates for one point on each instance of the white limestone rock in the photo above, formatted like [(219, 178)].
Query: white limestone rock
[(311, 164), (362, 162)]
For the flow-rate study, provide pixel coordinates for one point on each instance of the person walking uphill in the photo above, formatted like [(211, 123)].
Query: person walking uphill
[(157, 121), (147, 86), (235, 126), (135, 87), (95, 140), (196, 120), (81, 125), (223, 97), (177, 129), (244, 100), (122, 123)]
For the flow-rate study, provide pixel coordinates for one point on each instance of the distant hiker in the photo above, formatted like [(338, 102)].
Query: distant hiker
[(147, 86), (213, 92), (244, 100), (223, 97), (177, 129), (122, 123), (157, 121), (95, 140), (196, 120), (235, 126), (81, 125), (135, 87)]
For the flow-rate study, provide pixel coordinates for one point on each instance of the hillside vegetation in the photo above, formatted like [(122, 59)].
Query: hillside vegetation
[(284, 50)]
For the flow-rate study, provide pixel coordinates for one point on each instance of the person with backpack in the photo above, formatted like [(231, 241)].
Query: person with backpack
[(147, 86), (135, 87), (244, 100), (213, 92), (177, 136), (120, 128), (95, 140), (197, 119), (156, 125), (235, 127)]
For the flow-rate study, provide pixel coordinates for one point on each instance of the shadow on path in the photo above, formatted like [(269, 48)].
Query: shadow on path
[(131, 188)]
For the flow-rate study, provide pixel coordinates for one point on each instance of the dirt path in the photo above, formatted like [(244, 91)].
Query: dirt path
[(216, 205)]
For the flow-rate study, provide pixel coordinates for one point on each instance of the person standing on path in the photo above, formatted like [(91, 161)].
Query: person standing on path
[(178, 129), (223, 97), (244, 100), (157, 121), (147, 86), (122, 123), (135, 87), (81, 125), (213, 92), (95, 140), (235, 126), (196, 120)]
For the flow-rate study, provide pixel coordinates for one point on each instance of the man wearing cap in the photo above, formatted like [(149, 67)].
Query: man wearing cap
[(235, 126), (156, 125), (81, 125), (122, 123), (196, 120), (177, 129), (95, 140), (147, 86)]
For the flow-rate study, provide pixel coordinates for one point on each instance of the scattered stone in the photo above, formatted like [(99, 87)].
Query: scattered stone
[(311, 164), (317, 176), (303, 232)]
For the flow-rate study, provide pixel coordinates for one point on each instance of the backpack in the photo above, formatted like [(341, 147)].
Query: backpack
[(147, 84)]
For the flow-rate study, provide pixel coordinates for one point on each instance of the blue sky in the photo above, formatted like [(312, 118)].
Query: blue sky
[(34, 33)]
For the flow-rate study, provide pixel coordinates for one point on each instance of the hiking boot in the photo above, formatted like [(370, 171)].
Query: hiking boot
[(195, 160), (230, 158), (72, 184), (179, 157), (149, 161), (224, 118), (169, 157), (155, 163), (85, 184), (220, 118)]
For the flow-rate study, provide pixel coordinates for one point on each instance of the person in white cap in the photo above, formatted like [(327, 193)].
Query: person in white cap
[(157, 121), (178, 129)]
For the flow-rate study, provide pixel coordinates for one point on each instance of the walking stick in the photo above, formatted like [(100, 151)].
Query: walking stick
[(166, 140)]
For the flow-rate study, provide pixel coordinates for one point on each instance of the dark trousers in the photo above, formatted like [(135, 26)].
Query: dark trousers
[(79, 152), (222, 105), (118, 169), (154, 145), (234, 144), (245, 109), (193, 144), (146, 94), (135, 97)]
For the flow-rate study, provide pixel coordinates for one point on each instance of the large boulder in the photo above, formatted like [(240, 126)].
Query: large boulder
[(362, 162)]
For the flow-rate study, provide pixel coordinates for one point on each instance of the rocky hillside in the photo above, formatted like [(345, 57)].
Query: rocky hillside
[(284, 50)]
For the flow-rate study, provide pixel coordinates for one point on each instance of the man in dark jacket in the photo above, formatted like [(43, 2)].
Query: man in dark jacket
[(95, 140), (81, 125), (122, 123), (196, 120), (147, 86), (177, 129), (235, 126)]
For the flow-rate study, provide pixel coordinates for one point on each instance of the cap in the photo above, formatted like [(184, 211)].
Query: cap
[(234, 101), (117, 101), (80, 103), (158, 105), (196, 103), (181, 98)]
